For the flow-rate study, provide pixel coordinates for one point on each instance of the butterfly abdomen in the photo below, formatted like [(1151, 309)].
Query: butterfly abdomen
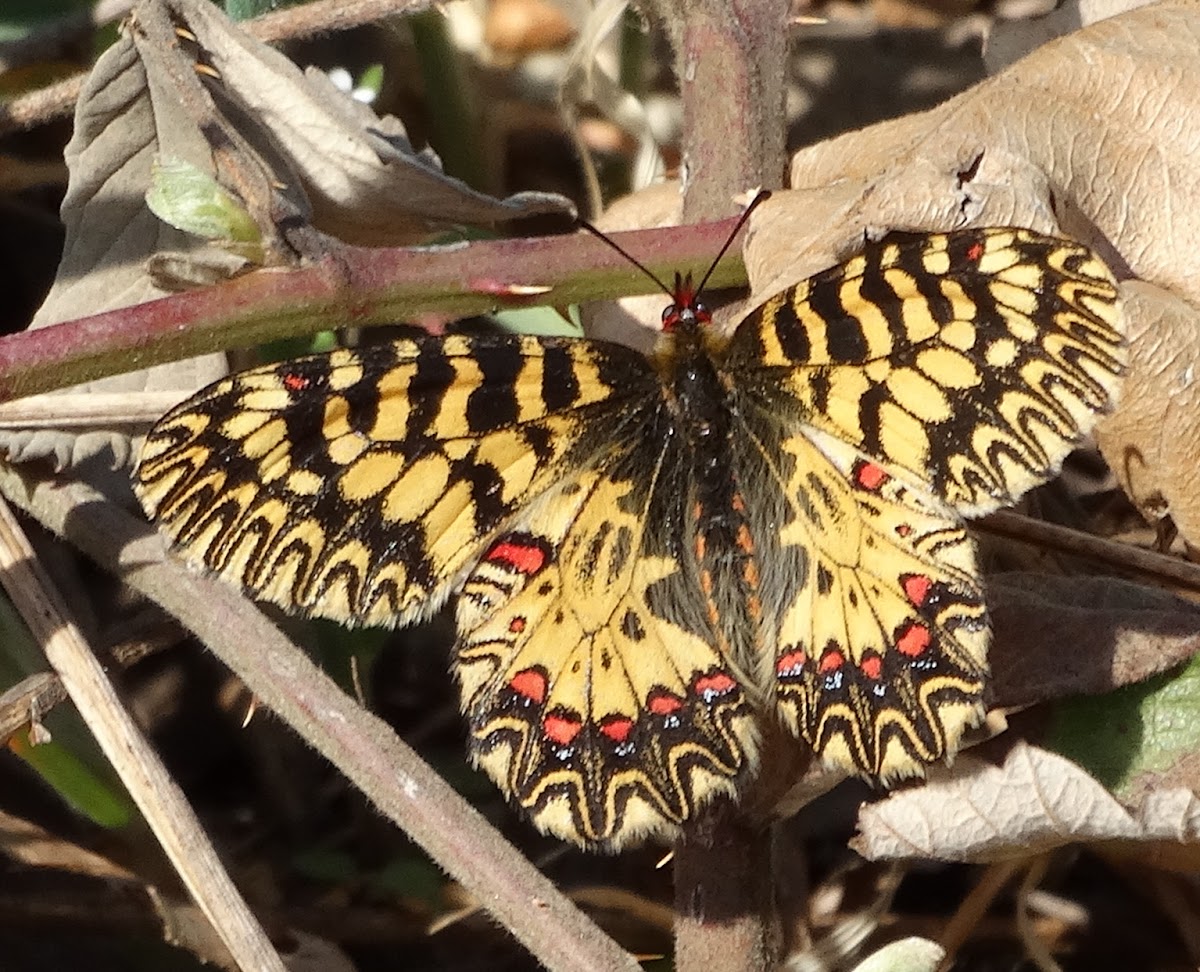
[(715, 519)]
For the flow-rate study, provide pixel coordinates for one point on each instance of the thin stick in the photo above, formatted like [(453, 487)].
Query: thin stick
[(151, 786), (1168, 570)]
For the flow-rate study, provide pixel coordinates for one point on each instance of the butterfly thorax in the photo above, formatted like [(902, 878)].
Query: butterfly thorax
[(700, 396)]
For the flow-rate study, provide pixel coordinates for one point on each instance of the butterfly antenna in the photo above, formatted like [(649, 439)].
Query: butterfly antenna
[(601, 235), (763, 196)]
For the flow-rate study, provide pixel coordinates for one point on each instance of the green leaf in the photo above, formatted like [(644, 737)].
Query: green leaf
[(1137, 730), (543, 321), (191, 200), (410, 877), (71, 762), (325, 865), (371, 79), (19, 18), (84, 791)]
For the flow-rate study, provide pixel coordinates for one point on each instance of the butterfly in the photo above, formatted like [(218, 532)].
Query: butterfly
[(657, 556)]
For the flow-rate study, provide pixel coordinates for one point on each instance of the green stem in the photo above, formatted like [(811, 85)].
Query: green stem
[(452, 118)]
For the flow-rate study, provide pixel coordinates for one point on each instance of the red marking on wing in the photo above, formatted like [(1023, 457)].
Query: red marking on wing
[(716, 684), (903, 530), (791, 663), (869, 476), (664, 703), (975, 252), (913, 640), (524, 558), (872, 667), (617, 728), (916, 587), (296, 383), (530, 684), (516, 625), (560, 728), (831, 661)]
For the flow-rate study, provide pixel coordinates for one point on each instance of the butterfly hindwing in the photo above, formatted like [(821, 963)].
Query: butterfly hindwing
[(361, 485), (605, 721), (881, 656)]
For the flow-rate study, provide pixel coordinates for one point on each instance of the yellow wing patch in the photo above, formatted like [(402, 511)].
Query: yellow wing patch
[(605, 722)]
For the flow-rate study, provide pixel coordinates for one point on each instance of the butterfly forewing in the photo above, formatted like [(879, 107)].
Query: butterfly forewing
[(658, 557), (972, 361), (362, 485)]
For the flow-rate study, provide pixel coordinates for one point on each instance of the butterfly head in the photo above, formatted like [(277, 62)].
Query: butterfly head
[(685, 312)]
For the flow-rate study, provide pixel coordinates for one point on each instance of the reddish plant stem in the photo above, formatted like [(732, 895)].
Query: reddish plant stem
[(730, 57), (351, 287)]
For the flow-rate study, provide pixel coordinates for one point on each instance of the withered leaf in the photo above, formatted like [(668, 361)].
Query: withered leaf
[(1059, 636), (1152, 442), (1035, 802)]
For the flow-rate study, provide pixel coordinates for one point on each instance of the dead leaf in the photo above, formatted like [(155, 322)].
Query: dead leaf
[(1008, 41), (1060, 636), (1152, 443), (516, 28), (362, 178), (1035, 802), (906, 955), (281, 142), (1094, 135)]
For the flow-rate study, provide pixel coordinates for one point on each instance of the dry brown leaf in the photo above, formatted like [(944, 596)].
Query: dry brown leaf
[(1008, 40), (365, 183), (1035, 802), (1061, 636), (1094, 135), (288, 144), (516, 28), (120, 124), (1153, 442)]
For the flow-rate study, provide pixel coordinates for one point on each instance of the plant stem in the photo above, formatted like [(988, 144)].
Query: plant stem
[(729, 58), (724, 903), (452, 120), (352, 286)]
